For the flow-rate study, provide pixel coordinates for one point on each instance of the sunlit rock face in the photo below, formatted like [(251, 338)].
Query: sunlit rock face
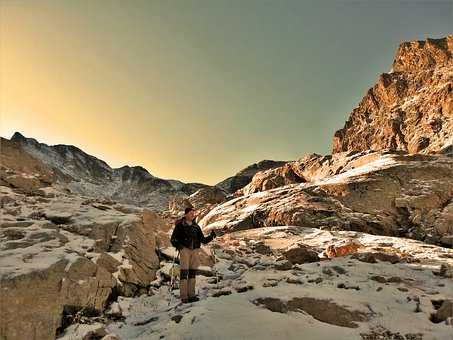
[(381, 193), (410, 108)]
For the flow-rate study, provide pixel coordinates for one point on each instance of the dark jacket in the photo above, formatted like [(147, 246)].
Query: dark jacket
[(189, 236)]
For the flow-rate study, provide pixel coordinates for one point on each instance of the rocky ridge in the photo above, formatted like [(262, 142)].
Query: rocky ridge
[(87, 175), (410, 108)]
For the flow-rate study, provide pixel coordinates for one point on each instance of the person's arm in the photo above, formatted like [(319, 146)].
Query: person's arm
[(175, 237), (205, 239)]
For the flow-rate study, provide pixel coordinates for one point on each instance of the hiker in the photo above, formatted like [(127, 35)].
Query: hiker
[(187, 238)]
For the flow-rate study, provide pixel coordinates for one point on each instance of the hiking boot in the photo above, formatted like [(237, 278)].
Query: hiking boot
[(194, 299)]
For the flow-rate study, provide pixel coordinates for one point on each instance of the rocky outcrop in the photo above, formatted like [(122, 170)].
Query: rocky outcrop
[(274, 178), (310, 168), (243, 177), (20, 170), (209, 195), (199, 200), (410, 108), (61, 254), (374, 192)]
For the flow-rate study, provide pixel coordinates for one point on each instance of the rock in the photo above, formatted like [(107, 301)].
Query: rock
[(300, 253), (444, 312), (272, 178), (243, 288), (333, 250), (317, 280), (83, 285), (343, 286), (58, 217), (160, 226), (108, 262), (447, 240), (446, 271), (395, 114), (273, 304), (367, 257), (208, 195), (168, 270), (374, 192), (295, 280), (283, 265), (84, 331), (177, 318), (378, 278), (128, 289), (270, 284), (77, 265), (339, 270), (86, 285), (322, 310), (111, 337), (42, 317), (221, 292), (22, 170), (371, 257), (395, 279), (178, 203), (243, 177), (261, 248)]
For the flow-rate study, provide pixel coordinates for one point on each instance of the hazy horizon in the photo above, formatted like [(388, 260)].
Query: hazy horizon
[(197, 90)]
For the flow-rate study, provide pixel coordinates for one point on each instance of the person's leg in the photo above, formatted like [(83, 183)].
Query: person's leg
[(184, 261), (193, 266)]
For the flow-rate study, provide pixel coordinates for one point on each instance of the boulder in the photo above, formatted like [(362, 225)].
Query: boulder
[(300, 253), (445, 311)]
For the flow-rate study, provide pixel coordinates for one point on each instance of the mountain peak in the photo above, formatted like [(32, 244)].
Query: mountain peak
[(17, 136), (409, 109), (423, 54)]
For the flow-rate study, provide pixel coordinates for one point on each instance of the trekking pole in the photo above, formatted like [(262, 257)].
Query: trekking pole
[(172, 277), (215, 269), (221, 233)]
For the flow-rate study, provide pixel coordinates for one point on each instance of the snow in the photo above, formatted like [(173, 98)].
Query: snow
[(236, 316)]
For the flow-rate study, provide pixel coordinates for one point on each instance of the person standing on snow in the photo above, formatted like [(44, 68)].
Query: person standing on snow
[(187, 237)]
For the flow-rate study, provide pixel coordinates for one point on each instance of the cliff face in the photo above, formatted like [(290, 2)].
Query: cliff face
[(409, 109)]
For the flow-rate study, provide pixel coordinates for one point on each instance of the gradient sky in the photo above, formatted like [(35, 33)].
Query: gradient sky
[(197, 90)]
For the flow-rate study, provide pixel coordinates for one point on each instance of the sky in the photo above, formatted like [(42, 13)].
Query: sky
[(197, 90)]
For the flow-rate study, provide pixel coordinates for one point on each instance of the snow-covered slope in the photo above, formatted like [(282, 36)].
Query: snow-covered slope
[(269, 286)]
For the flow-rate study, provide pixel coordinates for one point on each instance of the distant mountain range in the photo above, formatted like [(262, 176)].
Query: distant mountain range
[(87, 175)]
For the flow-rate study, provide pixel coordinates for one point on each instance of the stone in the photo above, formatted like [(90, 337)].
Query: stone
[(445, 311), (283, 265), (300, 253)]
